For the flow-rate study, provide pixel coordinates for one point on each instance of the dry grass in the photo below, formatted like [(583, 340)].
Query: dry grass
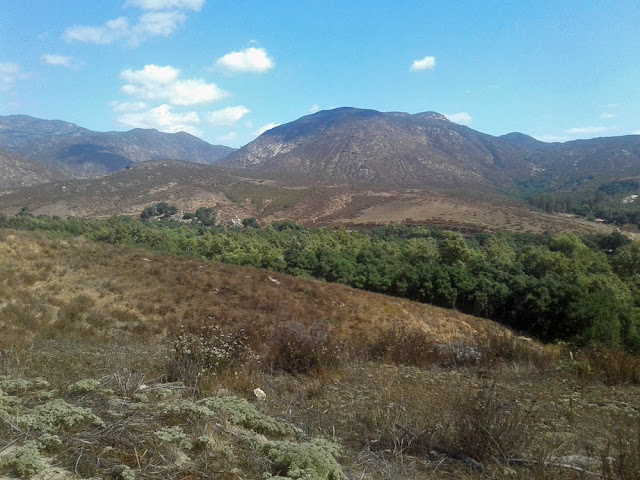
[(408, 390)]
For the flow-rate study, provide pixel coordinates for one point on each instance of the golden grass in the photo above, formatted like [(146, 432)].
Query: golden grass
[(72, 309)]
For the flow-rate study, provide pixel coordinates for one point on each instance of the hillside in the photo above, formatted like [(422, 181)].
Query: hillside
[(239, 194), (17, 171), (427, 151), (95, 366), (84, 153), (348, 144)]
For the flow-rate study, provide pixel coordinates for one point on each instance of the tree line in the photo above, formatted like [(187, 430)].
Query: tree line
[(556, 287)]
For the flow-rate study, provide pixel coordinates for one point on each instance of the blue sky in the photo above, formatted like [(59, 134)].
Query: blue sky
[(226, 70)]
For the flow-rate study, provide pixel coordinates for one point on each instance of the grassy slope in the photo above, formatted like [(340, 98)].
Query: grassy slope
[(72, 309)]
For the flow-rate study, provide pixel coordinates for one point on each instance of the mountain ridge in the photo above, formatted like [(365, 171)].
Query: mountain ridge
[(426, 150), (80, 152)]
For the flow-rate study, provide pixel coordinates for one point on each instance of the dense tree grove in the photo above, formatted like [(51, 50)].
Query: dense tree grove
[(557, 287), (611, 202)]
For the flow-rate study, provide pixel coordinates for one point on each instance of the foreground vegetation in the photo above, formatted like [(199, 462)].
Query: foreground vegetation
[(121, 363), (555, 287)]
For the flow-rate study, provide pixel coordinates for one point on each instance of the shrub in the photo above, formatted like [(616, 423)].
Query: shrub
[(415, 347), (213, 349), (240, 412), (314, 460), (59, 414), (82, 387), (487, 425), (295, 348), (610, 365), (23, 462)]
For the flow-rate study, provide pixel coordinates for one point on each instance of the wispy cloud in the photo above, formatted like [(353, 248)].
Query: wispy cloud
[(588, 130), (314, 108), (162, 118), (195, 5), (552, 138), (10, 73), (59, 61), (426, 63), (128, 106), (249, 60), (227, 116), (155, 82), (111, 32), (228, 137), (265, 128), (462, 118), (159, 18), (607, 115)]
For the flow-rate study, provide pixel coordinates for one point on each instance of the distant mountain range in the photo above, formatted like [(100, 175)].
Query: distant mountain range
[(426, 150), (344, 145), (78, 152)]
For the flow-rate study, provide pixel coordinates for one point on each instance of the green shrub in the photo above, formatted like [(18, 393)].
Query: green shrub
[(314, 460), (82, 387), (23, 462), (59, 414), (240, 412)]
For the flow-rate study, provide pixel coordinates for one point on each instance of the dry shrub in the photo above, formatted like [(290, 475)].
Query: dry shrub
[(489, 426), (611, 366), (209, 349), (414, 347), (296, 348), (503, 346), (622, 456)]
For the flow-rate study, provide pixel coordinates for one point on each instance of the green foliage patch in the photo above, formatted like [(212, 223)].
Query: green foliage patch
[(555, 287)]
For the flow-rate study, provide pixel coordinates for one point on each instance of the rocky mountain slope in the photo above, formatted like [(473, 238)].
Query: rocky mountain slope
[(348, 144), (84, 153), (17, 171), (426, 150)]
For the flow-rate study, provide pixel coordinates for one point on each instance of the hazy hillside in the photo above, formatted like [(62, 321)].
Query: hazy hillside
[(85, 153), (348, 144), (17, 171), (426, 150)]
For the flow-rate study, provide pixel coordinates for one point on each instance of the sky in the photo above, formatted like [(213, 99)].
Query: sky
[(228, 70)]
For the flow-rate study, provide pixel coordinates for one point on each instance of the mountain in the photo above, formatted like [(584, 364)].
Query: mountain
[(349, 144), (17, 171), (523, 141), (428, 151), (84, 153)]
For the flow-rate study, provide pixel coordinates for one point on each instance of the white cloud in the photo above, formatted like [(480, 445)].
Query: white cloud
[(227, 116), (606, 115), (462, 118), (229, 137), (588, 130), (249, 60), (195, 5), (160, 18), (637, 132), (163, 119), (58, 61), (612, 105), (10, 73), (426, 63), (552, 138), (109, 33), (128, 106), (314, 108), (156, 24), (162, 83), (264, 128)]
